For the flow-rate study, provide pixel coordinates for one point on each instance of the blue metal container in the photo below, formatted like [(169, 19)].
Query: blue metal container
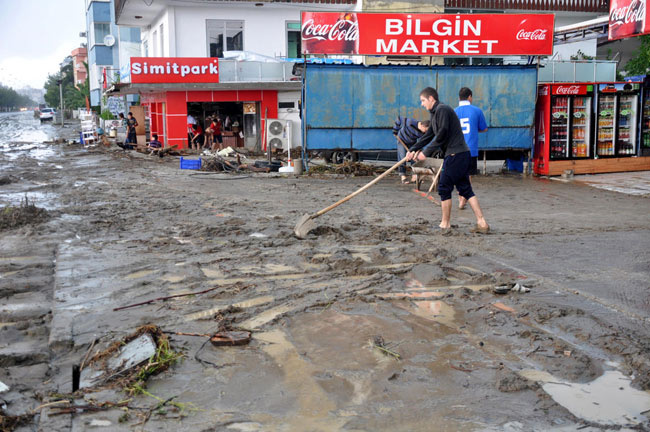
[(353, 107)]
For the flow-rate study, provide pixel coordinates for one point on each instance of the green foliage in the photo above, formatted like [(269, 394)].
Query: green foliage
[(581, 56), (640, 63), (10, 99), (107, 115), (73, 98)]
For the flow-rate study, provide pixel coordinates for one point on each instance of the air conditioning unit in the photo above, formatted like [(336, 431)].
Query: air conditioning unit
[(278, 133)]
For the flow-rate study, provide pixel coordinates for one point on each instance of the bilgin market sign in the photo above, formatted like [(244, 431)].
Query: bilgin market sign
[(627, 18), (427, 34), (163, 70)]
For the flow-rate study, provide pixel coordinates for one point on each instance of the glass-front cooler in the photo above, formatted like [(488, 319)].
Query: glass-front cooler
[(605, 140), (626, 139), (559, 127), (581, 127)]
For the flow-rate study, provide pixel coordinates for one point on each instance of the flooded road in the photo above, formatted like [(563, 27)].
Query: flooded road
[(374, 322)]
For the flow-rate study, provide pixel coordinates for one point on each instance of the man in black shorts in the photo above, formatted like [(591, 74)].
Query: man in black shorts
[(446, 135)]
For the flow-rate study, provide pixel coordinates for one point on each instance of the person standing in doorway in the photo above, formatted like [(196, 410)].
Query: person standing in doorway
[(131, 124), (446, 135), (472, 121)]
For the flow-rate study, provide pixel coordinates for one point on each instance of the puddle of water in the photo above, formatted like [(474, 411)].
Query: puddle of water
[(212, 272), (363, 256), (244, 304), (313, 405), (7, 274), (172, 278), (258, 235), (413, 295), (39, 199), (435, 310), (139, 274), (607, 400), (265, 317)]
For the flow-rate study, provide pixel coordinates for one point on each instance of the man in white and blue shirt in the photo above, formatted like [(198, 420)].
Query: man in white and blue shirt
[(472, 121)]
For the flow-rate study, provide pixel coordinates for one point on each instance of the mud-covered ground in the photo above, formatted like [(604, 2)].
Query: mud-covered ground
[(123, 228)]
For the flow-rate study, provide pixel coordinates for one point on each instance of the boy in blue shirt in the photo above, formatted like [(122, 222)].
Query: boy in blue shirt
[(472, 121)]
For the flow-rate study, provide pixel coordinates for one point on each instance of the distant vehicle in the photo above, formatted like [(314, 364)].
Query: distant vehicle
[(47, 114)]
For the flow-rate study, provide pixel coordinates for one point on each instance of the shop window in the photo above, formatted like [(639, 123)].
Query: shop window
[(224, 35), (145, 48), (293, 40), (101, 30), (154, 43)]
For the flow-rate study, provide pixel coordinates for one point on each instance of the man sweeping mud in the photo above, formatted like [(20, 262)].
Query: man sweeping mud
[(445, 135)]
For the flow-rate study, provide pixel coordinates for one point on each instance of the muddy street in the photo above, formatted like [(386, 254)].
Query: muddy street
[(374, 322)]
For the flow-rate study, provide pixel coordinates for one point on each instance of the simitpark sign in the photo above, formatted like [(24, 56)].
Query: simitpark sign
[(427, 34), (163, 70)]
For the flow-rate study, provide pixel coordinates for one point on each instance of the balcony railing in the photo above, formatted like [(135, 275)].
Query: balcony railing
[(601, 6)]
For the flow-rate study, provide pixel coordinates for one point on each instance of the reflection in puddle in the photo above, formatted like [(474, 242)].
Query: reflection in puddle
[(172, 278), (265, 317), (139, 274), (607, 400), (413, 295), (436, 310)]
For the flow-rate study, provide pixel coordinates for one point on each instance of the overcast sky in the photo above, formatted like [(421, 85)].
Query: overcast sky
[(35, 36)]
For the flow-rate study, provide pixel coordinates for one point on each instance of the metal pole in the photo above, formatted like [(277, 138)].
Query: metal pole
[(61, 100)]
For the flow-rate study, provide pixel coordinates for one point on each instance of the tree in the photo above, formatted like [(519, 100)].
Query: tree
[(640, 63), (73, 98), (9, 98)]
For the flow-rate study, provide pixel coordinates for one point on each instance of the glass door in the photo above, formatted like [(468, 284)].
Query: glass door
[(560, 127), (606, 111), (580, 130), (645, 124), (626, 139)]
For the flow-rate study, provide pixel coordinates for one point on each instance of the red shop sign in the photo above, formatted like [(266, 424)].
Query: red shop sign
[(570, 89), (627, 18), (161, 70), (427, 34)]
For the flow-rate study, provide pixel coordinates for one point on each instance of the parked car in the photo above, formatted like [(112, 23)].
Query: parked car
[(47, 114)]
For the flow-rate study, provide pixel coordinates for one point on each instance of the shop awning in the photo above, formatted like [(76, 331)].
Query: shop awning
[(120, 89)]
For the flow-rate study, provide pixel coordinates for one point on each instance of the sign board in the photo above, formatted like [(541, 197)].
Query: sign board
[(570, 89), (164, 70), (627, 18), (427, 34)]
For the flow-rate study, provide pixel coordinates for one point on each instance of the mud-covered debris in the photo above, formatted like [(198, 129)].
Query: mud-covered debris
[(228, 338), (130, 361), (24, 214), (519, 288), (379, 343), (502, 289), (512, 382), (6, 179)]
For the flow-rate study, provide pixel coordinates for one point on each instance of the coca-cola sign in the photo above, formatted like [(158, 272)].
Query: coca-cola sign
[(570, 89), (537, 34), (427, 34), (627, 18)]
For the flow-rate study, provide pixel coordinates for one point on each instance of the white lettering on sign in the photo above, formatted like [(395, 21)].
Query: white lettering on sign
[(435, 46), (634, 12), (570, 90), (144, 68), (537, 34), (440, 27), (341, 30)]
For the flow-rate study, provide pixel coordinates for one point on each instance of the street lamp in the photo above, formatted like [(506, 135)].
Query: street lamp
[(60, 83)]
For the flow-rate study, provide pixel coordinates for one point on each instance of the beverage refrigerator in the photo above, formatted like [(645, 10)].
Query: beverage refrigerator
[(617, 132), (645, 119), (564, 124)]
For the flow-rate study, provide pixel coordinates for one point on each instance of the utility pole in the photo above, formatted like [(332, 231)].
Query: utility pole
[(60, 82)]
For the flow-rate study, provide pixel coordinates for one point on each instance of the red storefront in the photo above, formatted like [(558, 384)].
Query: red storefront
[(172, 88)]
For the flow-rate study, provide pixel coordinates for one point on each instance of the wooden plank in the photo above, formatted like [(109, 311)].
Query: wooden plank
[(598, 166)]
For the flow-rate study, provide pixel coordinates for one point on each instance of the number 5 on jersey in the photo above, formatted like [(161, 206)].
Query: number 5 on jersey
[(464, 124)]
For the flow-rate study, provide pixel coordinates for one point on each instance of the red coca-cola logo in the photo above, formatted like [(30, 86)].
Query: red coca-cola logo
[(537, 34), (344, 29), (570, 90), (543, 91), (632, 13)]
